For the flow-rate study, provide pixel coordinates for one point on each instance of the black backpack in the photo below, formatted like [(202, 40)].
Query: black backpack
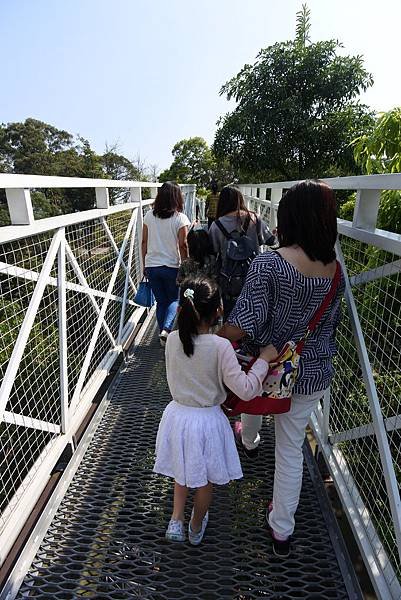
[(234, 261)]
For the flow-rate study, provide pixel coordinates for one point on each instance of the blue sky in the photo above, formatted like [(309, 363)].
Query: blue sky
[(146, 73)]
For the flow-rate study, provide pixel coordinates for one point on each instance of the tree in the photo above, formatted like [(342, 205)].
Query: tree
[(379, 151), (193, 163), (297, 110)]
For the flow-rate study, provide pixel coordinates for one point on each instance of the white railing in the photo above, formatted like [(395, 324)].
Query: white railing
[(66, 312), (358, 425)]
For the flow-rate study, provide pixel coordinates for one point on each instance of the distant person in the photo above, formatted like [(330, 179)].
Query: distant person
[(282, 292), (235, 222), (164, 245), (211, 204), (201, 260), (195, 443)]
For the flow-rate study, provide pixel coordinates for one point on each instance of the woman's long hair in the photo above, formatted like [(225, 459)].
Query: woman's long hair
[(230, 200), (199, 301), (169, 200), (306, 216)]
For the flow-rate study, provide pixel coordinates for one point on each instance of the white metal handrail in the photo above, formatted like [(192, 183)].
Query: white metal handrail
[(358, 425), (68, 284)]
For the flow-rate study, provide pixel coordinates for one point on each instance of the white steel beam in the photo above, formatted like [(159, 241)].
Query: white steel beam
[(375, 409), (98, 325), (392, 268), (62, 333), (116, 248), (78, 272), (20, 206), (15, 232), (373, 553), (21, 273), (29, 422), (26, 327)]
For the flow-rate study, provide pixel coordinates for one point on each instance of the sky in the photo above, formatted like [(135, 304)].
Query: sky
[(147, 73)]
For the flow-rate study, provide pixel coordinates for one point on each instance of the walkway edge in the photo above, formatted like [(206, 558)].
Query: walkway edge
[(344, 561), (24, 561)]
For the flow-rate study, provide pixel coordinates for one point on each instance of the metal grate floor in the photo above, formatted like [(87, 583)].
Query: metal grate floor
[(107, 538)]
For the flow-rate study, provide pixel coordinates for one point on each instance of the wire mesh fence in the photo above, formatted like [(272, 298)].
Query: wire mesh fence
[(32, 420), (378, 302)]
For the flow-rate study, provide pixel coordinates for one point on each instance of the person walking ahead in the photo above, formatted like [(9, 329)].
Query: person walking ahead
[(211, 204), (195, 443), (164, 244), (282, 292)]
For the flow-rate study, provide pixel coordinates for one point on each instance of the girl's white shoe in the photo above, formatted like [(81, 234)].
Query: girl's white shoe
[(175, 531), (196, 538)]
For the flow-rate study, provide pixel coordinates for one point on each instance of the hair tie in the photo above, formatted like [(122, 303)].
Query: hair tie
[(189, 293)]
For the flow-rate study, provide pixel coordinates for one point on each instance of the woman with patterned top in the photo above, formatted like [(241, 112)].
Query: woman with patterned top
[(283, 290)]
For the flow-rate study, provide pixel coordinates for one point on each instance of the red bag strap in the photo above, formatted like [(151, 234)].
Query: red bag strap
[(320, 311), (329, 297)]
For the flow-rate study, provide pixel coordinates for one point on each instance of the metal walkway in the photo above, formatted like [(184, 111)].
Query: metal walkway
[(107, 538)]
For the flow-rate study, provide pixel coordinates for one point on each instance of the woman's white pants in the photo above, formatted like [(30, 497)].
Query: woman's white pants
[(290, 435)]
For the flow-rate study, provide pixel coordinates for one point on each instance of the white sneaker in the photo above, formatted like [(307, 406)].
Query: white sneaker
[(175, 531), (163, 337), (196, 538)]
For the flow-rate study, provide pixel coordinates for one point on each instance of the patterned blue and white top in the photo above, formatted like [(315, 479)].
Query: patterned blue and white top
[(276, 305)]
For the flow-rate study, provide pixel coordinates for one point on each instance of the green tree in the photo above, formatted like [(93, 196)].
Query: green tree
[(297, 110), (379, 151), (193, 163)]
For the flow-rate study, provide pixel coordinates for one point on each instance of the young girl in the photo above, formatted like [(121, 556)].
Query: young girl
[(201, 260), (195, 443)]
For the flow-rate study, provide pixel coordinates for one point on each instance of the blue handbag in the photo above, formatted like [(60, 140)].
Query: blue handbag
[(144, 295)]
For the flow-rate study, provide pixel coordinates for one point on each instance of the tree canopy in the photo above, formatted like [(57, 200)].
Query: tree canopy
[(297, 110), (193, 162), (35, 147)]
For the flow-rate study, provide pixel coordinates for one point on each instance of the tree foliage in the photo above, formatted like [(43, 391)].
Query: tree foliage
[(379, 150), (37, 148), (193, 162), (297, 110)]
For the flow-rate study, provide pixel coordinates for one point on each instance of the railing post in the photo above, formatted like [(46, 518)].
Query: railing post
[(366, 209), (102, 198), (127, 278), (153, 192), (275, 197), (62, 328), (136, 196), (20, 206)]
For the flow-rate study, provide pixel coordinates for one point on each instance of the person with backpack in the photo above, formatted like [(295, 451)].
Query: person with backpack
[(236, 235)]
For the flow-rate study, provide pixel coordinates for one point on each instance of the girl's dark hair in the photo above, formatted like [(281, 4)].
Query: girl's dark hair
[(199, 245), (213, 187), (307, 216), (231, 199), (193, 310), (169, 200)]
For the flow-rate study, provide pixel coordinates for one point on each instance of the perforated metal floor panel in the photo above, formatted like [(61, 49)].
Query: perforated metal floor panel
[(107, 539)]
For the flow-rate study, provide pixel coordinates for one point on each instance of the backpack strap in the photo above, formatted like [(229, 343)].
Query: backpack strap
[(223, 230), (245, 226)]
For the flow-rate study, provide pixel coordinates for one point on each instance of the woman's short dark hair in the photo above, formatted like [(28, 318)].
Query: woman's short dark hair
[(201, 305), (169, 200), (199, 245), (230, 199), (306, 216)]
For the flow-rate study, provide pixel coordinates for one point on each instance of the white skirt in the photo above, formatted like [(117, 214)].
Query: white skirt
[(196, 445)]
